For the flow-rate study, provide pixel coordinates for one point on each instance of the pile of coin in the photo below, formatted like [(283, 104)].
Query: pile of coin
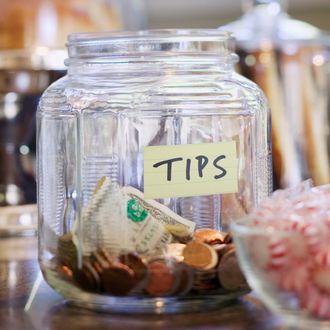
[(206, 264)]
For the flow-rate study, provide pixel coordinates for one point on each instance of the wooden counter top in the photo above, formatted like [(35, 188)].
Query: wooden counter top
[(19, 270)]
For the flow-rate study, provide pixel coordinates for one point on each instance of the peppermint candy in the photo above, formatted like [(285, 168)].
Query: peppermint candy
[(294, 247)]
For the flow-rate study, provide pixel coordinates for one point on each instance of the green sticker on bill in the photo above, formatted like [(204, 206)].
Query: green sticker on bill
[(135, 211)]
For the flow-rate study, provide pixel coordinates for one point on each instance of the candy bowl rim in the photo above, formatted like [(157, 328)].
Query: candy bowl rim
[(244, 226)]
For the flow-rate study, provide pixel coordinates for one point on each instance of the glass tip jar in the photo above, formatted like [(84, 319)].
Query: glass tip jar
[(147, 149)]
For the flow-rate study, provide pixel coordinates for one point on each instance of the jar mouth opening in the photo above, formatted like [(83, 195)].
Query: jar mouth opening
[(215, 35), (166, 42)]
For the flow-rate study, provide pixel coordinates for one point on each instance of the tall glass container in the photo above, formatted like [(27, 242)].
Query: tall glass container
[(150, 136), (289, 60)]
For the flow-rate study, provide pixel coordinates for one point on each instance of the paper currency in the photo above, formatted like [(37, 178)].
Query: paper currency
[(173, 221), (118, 219), (103, 221)]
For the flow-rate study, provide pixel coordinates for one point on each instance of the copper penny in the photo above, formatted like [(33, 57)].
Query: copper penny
[(118, 279), (228, 239), (99, 262), (206, 280), (205, 274), (107, 256), (87, 278), (200, 255), (133, 261), (209, 236), (161, 281), (186, 279), (206, 285), (222, 249), (66, 271), (229, 272), (63, 270)]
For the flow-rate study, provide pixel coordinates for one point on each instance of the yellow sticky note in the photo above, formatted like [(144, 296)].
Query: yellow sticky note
[(190, 170)]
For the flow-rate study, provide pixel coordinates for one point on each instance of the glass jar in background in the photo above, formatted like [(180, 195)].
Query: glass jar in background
[(289, 60), (150, 136), (20, 89), (32, 38)]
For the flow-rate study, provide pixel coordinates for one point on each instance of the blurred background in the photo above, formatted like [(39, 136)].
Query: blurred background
[(213, 13), (288, 58)]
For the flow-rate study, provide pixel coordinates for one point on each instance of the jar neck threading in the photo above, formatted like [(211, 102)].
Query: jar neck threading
[(150, 50)]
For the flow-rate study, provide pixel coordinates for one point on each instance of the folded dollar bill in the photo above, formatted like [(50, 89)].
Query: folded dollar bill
[(119, 219)]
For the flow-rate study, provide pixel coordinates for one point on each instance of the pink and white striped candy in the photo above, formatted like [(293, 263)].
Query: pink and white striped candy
[(297, 247), (322, 258), (311, 234), (317, 303), (297, 261), (295, 278), (320, 277), (269, 252), (278, 249)]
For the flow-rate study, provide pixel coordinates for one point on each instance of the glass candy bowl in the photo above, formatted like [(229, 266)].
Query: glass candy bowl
[(283, 248)]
